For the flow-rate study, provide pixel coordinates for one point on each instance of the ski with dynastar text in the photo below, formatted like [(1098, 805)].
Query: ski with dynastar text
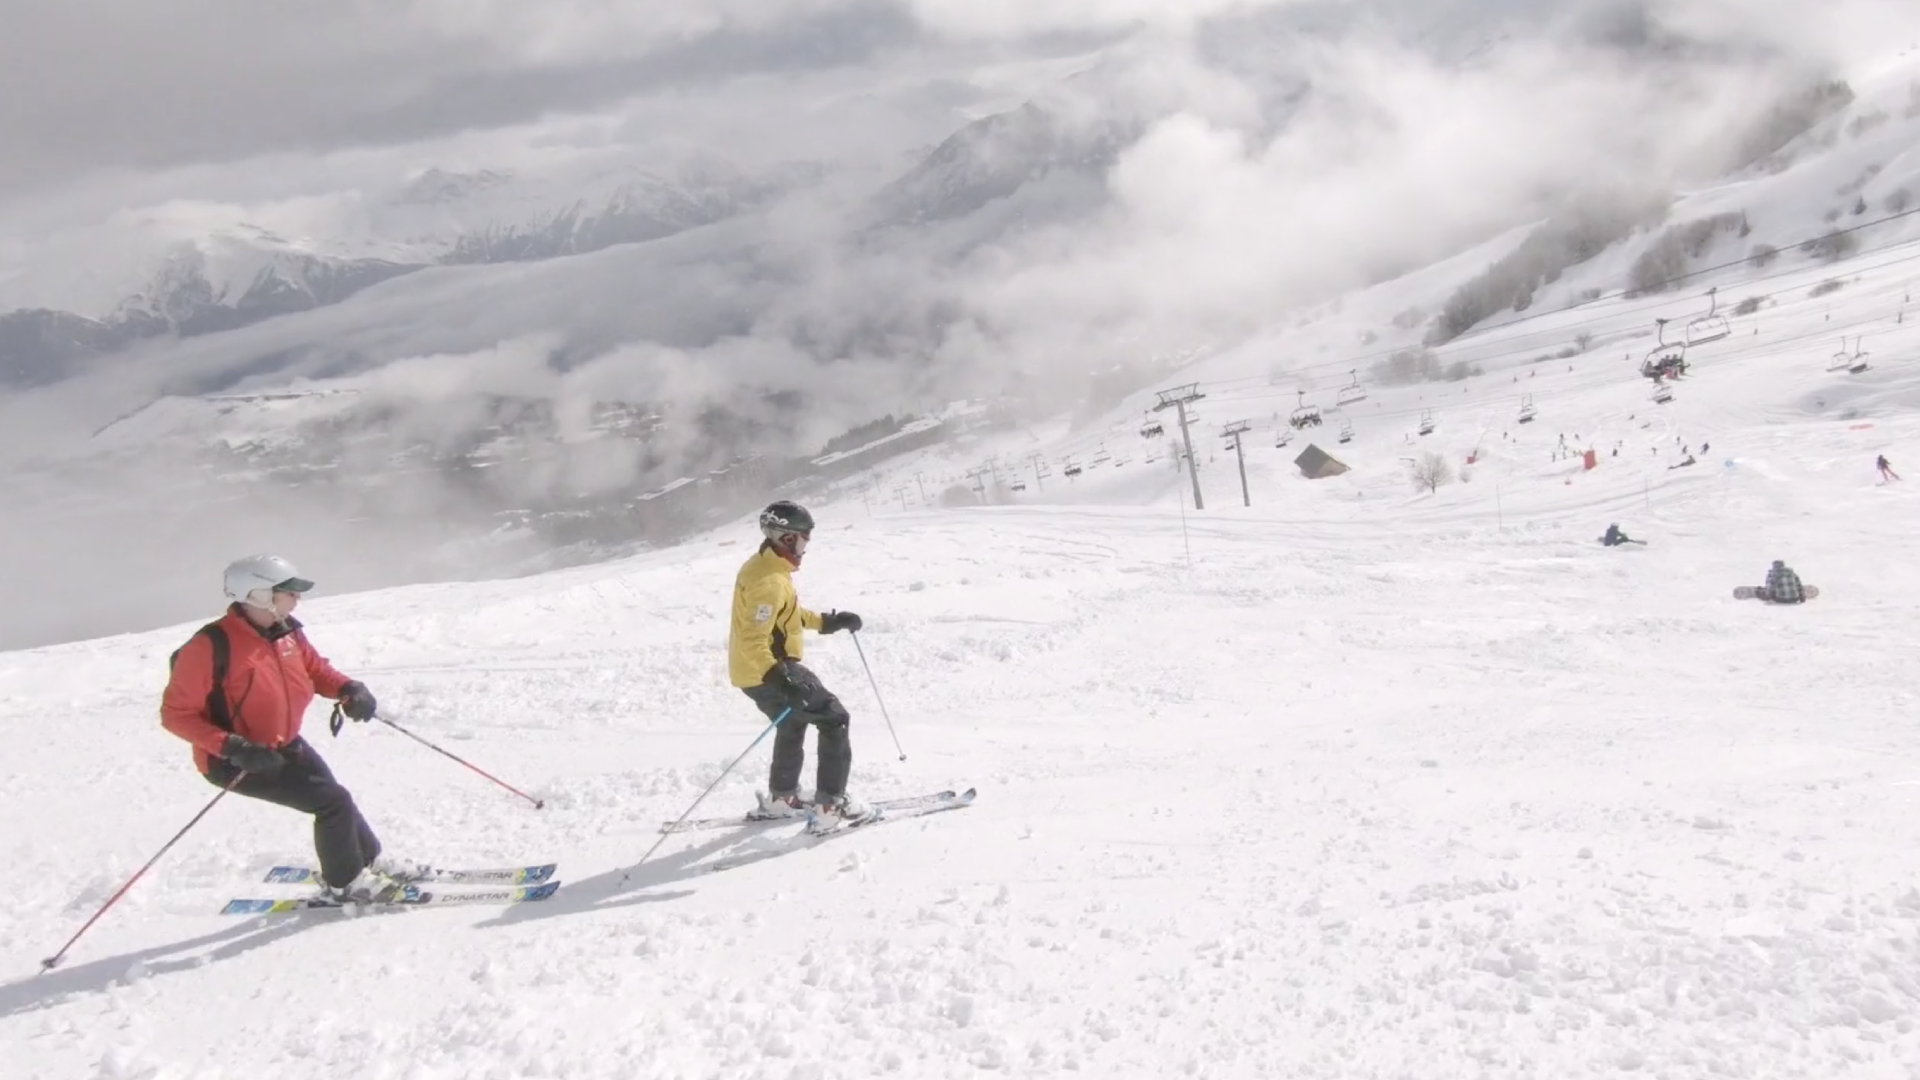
[(411, 896)]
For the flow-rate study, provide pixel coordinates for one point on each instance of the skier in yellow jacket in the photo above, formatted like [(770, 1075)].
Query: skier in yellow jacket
[(764, 647)]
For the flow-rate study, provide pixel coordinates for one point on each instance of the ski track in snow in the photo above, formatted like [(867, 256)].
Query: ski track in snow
[(1370, 785), (1334, 801)]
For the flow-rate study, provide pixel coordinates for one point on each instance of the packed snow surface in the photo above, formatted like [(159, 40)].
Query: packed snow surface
[(1356, 782)]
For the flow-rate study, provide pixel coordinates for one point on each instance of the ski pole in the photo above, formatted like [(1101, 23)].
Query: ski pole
[(668, 831), (537, 803), (876, 691), (53, 961)]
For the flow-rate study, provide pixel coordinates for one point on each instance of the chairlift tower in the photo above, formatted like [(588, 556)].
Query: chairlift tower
[(1234, 431), (1178, 399)]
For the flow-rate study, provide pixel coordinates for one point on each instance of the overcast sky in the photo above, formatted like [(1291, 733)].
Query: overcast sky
[(102, 84), (88, 85)]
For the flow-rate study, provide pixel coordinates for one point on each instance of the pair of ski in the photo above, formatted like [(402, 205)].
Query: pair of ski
[(919, 804), (1759, 592), (525, 884), (504, 885), (816, 830)]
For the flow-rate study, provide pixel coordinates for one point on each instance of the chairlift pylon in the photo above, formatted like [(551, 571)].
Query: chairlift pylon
[(1352, 392), (1709, 327)]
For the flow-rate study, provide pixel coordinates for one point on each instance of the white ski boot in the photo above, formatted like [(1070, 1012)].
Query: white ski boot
[(840, 812)]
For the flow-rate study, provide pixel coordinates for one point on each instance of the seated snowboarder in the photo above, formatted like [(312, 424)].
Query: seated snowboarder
[(1783, 586), (1615, 537)]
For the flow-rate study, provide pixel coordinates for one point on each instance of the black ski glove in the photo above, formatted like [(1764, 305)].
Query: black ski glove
[(835, 621), (251, 757), (357, 702)]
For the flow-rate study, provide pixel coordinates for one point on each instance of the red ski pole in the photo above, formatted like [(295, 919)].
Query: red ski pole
[(537, 803), (53, 961)]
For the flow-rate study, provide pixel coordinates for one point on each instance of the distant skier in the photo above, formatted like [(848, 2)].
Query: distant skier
[(1886, 469), (245, 726), (1783, 585), (764, 647), (1615, 537)]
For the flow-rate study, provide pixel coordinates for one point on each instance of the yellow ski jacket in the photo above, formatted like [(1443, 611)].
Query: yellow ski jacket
[(767, 619)]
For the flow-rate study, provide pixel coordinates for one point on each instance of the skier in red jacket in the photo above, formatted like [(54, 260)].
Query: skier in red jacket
[(246, 731)]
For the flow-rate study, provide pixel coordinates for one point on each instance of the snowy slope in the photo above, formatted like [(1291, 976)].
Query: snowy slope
[(1357, 782)]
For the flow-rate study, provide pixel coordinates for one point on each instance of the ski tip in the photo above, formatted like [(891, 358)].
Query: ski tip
[(541, 892)]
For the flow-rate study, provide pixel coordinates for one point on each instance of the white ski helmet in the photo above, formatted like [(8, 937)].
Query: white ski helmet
[(254, 580)]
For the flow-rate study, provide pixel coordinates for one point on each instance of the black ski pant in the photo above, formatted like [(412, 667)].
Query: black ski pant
[(342, 839), (813, 705)]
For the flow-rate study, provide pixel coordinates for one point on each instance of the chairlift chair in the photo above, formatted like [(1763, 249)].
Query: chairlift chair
[(1346, 432), (1526, 409), (1304, 415), (1282, 438), (1426, 421), (1102, 457), (1853, 362), (1709, 327), (1662, 394), (1072, 469), (1152, 430), (1353, 392), (1019, 485), (1666, 357)]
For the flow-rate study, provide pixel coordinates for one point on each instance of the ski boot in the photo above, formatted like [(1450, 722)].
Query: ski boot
[(774, 806), (839, 812)]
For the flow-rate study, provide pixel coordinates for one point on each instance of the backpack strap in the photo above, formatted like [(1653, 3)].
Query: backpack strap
[(217, 711)]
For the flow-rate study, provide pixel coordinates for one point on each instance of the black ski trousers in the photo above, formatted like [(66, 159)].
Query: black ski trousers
[(813, 705), (342, 838)]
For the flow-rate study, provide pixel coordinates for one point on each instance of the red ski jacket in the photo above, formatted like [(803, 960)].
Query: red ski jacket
[(272, 676)]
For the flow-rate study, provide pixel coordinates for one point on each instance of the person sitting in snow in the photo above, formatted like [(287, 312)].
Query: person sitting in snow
[(1615, 537), (1783, 586)]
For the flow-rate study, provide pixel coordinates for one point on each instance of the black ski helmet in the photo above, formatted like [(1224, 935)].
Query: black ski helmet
[(784, 517)]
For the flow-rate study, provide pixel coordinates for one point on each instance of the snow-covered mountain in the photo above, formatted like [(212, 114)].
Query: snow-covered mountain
[(760, 340), (188, 269)]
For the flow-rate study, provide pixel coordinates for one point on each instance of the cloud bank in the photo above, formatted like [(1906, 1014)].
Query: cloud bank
[(1147, 182)]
